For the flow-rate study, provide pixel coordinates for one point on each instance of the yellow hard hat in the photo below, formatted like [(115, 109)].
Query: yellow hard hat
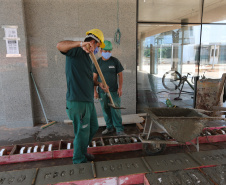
[(99, 34)]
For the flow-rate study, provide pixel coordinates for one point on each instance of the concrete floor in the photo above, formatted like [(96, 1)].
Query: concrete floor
[(63, 131), (106, 157), (56, 132)]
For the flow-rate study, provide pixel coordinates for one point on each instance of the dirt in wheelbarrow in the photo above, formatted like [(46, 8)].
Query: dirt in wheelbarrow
[(183, 130), (182, 124)]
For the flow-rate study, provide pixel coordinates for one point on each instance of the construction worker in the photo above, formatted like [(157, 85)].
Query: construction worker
[(111, 69), (80, 105)]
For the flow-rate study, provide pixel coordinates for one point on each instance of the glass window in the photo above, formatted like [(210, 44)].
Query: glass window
[(213, 51), (214, 11), (167, 57), (170, 11)]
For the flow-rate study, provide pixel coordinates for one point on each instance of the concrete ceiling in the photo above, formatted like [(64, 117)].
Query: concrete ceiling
[(176, 11), (168, 10)]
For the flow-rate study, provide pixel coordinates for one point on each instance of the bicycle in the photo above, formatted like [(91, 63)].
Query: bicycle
[(172, 80)]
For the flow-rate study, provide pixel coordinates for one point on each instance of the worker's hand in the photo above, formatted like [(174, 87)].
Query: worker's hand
[(91, 47), (119, 92), (96, 95), (105, 89)]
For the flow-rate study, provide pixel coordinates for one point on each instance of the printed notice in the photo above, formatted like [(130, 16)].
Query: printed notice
[(12, 47), (11, 38), (11, 33)]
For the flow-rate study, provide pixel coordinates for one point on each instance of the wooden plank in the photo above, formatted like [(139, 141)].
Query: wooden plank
[(4, 159), (34, 180), (102, 141), (140, 127), (69, 122), (17, 158), (200, 118), (126, 119), (219, 108), (203, 111), (115, 148), (142, 114), (206, 139), (7, 148), (220, 88), (212, 139), (47, 125), (108, 180), (62, 153), (20, 158), (100, 150), (13, 150), (60, 145)]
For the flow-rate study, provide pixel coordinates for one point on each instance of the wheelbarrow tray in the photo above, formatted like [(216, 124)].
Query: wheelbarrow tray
[(182, 124)]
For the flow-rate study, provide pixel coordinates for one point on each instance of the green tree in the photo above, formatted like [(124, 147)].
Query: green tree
[(147, 52)]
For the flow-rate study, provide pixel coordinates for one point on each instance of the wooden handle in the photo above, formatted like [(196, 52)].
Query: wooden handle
[(34, 179), (93, 58)]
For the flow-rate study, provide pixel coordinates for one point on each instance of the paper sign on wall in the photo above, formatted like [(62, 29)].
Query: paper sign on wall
[(12, 47), (11, 38), (10, 32)]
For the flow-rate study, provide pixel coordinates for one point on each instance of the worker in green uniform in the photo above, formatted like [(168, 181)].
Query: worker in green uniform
[(112, 71), (80, 105)]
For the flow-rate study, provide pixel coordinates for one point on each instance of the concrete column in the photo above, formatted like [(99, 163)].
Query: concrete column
[(15, 98)]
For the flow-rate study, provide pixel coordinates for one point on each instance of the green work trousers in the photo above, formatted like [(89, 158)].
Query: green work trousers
[(84, 117), (112, 116)]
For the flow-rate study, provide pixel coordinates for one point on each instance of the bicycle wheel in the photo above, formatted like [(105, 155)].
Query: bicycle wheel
[(171, 80)]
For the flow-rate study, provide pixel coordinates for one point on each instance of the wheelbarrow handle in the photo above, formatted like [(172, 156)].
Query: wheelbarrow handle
[(201, 118), (151, 114)]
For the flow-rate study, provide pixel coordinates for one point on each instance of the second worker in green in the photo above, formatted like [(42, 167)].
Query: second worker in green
[(112, 72)]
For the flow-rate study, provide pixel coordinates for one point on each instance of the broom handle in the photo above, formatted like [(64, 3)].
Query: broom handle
[(39, 97), (93, 58)]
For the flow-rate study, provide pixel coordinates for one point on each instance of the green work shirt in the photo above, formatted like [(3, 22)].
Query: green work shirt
[(110, 68), (79, 75)]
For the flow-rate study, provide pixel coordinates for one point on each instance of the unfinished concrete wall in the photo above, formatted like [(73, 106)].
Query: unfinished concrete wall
[(50, 21), (15, 98)]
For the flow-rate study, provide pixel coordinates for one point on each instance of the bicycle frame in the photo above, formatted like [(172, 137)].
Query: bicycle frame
[(175, 78), (184, 79), (188, 81)]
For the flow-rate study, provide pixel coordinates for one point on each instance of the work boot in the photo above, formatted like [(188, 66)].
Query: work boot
[(108, 131), (89, 157), (121, 133)]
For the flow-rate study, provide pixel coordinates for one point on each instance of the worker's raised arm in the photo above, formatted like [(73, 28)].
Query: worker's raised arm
[(66, 45)]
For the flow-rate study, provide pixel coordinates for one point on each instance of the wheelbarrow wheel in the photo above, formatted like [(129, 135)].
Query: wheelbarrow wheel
[(153, 149)]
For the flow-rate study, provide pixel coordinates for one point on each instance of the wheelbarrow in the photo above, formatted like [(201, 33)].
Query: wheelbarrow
[(181, 124)]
